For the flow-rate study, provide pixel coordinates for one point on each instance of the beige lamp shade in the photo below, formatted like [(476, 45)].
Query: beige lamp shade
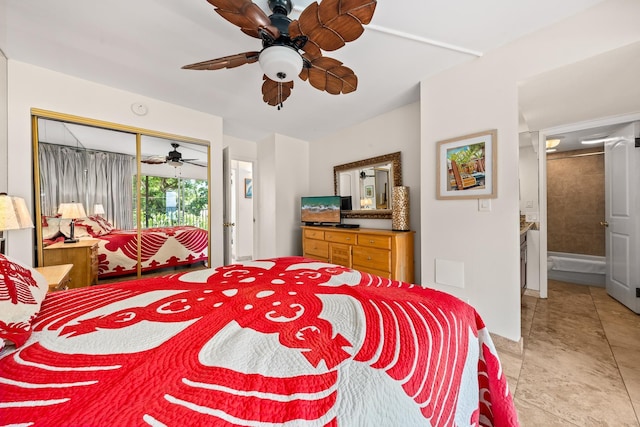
[(14, 214), (71, 210), (98, 209)]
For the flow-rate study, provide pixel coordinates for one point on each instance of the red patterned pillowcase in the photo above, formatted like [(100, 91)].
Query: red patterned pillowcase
[(103, 223), (22, 291), (93, 227)]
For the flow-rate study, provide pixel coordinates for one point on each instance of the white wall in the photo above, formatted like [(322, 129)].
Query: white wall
[(34, 87), (3, 124), (241, 149), (528, 175), (481, 95), (398, 130), (3, 100), (282, 178)]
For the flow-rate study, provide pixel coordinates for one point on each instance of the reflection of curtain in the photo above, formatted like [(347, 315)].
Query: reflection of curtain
[(87, 177)]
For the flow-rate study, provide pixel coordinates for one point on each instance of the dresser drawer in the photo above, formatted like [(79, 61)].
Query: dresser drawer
[(340, 254), (372, 258), (338, 237), (384, 253), (314, 234), (385, 274), (318, 248), (373, 241)]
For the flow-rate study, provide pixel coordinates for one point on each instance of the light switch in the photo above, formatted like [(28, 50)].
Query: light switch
[(484, 205)]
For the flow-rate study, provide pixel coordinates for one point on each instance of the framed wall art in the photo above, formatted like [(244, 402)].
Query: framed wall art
[(466, 166), (248, 188), (368, 191)]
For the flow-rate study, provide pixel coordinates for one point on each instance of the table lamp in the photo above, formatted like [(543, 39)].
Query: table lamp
[(98, 209), (14, 215), (71, 211)]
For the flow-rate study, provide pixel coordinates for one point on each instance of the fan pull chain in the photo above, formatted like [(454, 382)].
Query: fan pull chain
[(280, 95)]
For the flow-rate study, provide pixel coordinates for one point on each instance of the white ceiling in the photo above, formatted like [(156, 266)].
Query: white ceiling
[(592, 98), (140, 45), (109, 140)]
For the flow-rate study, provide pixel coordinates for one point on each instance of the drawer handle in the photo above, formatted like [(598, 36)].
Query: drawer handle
[(368, 258), (372, 241), (348, 238)]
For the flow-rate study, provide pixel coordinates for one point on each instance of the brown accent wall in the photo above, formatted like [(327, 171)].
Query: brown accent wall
[(575, 202)]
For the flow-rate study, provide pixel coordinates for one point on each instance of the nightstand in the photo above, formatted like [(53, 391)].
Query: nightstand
[(82, 254), (58, 276)]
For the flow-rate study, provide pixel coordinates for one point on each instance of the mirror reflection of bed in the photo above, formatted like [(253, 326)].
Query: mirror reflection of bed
[(145, 195)]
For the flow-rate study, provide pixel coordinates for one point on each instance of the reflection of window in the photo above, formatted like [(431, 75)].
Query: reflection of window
[(173, 201)]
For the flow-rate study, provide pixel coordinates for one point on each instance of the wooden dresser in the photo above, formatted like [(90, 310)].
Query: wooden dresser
[(385, 253), (82, 254)]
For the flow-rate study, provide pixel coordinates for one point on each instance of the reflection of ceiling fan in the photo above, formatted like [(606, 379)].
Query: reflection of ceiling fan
[(325, 26), (173, 158), (364, 175)]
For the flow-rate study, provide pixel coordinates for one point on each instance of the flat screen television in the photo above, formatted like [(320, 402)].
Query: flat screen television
[(318, 210)]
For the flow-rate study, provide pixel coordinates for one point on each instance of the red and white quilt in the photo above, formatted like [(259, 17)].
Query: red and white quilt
[(161, 247), (288, 341)]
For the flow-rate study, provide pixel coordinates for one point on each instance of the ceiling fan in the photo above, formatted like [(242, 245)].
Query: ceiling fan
[(173, 158), (291, 48)]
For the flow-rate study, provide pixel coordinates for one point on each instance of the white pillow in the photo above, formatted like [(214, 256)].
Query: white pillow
[(50, 227), (22, 290), (78, 230)]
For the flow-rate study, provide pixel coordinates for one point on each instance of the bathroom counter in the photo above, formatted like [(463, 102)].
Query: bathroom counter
[(526, 226)]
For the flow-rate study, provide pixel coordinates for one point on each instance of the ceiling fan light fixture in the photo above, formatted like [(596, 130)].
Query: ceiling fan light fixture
[(553, 143), (280, 63), (175, 163)]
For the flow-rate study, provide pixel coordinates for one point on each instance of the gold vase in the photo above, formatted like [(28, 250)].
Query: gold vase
[(400, 209)]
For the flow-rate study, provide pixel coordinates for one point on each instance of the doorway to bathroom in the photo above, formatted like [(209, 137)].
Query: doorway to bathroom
[(592, 219)]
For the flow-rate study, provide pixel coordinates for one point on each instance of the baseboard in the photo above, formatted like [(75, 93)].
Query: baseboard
[(510, 346)]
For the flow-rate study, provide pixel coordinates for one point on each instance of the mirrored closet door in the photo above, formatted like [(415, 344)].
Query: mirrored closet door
[(140, 198)]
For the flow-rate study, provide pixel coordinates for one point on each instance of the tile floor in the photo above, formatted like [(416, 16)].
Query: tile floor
[(581, 360)]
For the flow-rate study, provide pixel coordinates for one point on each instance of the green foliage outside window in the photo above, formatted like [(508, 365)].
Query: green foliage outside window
[(190, 197)]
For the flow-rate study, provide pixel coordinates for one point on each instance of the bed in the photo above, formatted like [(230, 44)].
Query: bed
[(162, 247), (275, 342)]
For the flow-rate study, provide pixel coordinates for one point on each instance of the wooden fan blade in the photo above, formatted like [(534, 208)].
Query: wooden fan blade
[(231, 61), (329, 75), (333, 23), (275, 93), (246, 15), (154, 160)]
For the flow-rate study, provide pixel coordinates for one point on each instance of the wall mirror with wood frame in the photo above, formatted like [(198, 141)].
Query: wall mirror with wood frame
[(144, 194), (366, 186)]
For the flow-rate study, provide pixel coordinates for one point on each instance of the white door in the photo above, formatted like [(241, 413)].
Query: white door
[(243, 242), (622, 189), (227, 215)]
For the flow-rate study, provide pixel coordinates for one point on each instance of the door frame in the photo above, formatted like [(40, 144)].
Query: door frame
[(542, 179)]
